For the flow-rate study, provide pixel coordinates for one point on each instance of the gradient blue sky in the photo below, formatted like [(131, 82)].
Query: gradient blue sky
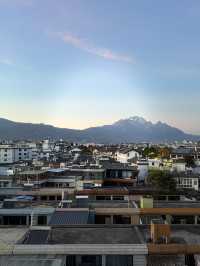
[(81, 63)]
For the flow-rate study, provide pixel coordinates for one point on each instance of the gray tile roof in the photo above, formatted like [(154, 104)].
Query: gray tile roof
[(69, 218)]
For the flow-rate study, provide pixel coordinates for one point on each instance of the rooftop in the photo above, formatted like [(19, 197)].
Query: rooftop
[(33, 172), (104, 191), (56, 170), (126, 150), (35, 244), (64, 217), (99, 234), (95, 235), (11, 236), (182, 150), (27, 211), (37, 237), (118, 166)]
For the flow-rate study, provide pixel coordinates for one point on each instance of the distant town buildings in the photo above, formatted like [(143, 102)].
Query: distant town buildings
[(96, 204)]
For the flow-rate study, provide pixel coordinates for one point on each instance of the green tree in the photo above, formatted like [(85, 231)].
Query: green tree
[(189, 161), (85, 150), (162, 181), (151, 152)]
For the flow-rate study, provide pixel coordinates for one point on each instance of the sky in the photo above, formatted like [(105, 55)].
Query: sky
[(83, 63)]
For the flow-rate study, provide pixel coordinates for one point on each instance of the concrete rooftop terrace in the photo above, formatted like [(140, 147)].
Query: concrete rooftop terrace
[(11, 236), (94, 239), (95, 235), (49, 246)]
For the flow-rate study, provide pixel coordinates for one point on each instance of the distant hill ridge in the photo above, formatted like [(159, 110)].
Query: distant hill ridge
[(133, 129)]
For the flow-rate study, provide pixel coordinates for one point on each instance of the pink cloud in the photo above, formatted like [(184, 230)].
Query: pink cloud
[(90, 48)]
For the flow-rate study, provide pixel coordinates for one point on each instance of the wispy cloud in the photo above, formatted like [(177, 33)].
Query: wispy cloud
[(6, 61), (92, 49), (18, 2)]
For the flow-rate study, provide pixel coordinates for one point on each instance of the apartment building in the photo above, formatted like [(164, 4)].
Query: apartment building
[(14, 153)]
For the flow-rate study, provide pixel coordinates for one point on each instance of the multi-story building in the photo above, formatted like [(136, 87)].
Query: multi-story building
[(14, 153), (126, 154)]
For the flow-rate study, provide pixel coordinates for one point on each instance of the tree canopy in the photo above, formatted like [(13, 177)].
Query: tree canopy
[(162, 180), (153, 152)]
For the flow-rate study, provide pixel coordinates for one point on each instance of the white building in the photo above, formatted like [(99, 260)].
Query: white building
[(125, 155), (47, 146), (188, 182), (14, 153), (179, 166)]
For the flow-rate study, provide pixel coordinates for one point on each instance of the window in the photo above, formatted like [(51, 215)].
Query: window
[(59, 198), (118, 198), (103, 198), (51, 197), (114, 260), (43, 198), (88, 185), (187, 183), (42, 220), (195, 183), (91, 260)]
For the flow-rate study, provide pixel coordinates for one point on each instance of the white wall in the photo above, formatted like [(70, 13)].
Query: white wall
[(143, 171), (179, 167), (154, 163), (124, 157)]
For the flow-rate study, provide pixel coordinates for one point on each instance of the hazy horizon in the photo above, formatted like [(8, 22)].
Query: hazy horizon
[(97, 125), (77, 64)]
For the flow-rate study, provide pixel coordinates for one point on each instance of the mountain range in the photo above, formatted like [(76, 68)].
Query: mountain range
[(133, 129)]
